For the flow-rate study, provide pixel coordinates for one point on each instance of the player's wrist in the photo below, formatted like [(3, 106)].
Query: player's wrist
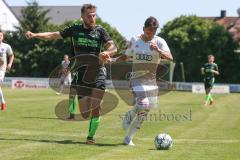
[(161, 52)]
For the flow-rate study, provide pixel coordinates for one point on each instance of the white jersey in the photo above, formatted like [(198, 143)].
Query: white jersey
[(5, 50), (65, 64), (66, 76), (145, 60)]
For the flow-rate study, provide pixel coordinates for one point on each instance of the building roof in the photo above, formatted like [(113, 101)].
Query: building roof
[(231, 23), (58, 14), (225, 21)]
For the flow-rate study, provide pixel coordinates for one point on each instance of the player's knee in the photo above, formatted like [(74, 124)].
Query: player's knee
[(85, 115), (142, 102), (141, 117)]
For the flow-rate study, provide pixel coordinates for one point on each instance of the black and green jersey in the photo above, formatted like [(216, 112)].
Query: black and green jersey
[(86, 41), (84, 44), (208, 67)]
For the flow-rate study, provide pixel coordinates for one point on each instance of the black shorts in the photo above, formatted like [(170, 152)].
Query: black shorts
[(83, 86), (208, 82)]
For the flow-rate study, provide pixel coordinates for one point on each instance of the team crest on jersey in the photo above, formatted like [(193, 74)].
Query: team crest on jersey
[(136, 46), (94, 34)]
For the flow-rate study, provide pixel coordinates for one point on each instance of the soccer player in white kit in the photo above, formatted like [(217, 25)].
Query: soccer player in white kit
[(65, 78), (146, 51), (5, 50)]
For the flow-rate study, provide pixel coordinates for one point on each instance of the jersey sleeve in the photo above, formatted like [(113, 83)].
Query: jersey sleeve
[(162, 44), (129, 51), (105, 36), (67, 32), (9, 50)]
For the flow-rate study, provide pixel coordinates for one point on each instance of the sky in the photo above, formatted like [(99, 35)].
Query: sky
[(128, 16)]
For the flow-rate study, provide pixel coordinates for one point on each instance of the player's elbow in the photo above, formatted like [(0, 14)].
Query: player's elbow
[(115, 49), (11, 57)]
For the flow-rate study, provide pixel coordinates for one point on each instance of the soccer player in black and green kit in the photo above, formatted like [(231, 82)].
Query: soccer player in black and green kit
[(209, 70), (88, 42)]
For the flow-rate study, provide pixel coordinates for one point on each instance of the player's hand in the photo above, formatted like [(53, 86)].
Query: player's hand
[(29, 35), (153, 46), (104, 57), (9, 66)]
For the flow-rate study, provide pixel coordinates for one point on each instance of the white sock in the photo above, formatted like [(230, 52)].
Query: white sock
[(1, 96), (136, 124), (61, 88)]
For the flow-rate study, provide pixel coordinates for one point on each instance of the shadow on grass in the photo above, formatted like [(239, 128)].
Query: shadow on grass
[(42, 118), (59, 141)]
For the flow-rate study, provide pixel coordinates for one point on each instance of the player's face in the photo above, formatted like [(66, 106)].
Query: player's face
[(66, 58), (1, 37), (211, 59), (89, 18), (149, 32)]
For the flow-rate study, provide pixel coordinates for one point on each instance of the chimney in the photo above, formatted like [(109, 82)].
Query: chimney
[(238, 11), (223, 13)]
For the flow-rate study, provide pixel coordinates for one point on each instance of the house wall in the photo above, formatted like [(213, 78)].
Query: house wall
[(7, 18)]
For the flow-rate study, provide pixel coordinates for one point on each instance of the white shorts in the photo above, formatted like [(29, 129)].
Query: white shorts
[(66, 79), (2, 75), (145, 93)]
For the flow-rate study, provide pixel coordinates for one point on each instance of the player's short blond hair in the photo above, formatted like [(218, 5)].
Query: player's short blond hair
[(86, 7)]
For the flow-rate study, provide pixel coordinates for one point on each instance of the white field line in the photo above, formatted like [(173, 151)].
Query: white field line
[(62, 134)]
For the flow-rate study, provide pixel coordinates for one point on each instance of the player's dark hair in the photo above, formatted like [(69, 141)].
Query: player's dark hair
[(86, 7), (210, 55), (151, 22)]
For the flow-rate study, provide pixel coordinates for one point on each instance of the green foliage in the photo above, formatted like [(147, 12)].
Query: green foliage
[(192, 38), (37, 58), (34, 57), (118, 39)]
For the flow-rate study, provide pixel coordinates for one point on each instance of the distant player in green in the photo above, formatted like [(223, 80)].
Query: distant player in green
[(209, 70)]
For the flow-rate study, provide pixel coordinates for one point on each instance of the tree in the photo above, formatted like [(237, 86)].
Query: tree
[(192, 38), (34, 57), (37, 58)]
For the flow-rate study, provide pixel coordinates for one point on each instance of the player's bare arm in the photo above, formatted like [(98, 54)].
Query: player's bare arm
[(11, 58), (215, 72), (163, 54), (44, 35), (120, 58), (110, 50), (202, 71)]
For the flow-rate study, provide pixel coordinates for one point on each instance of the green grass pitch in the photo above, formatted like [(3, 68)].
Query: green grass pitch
[(29, 129)]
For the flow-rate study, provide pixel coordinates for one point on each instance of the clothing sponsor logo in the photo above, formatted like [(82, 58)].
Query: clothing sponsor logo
[(144, 57), (86, 42)]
